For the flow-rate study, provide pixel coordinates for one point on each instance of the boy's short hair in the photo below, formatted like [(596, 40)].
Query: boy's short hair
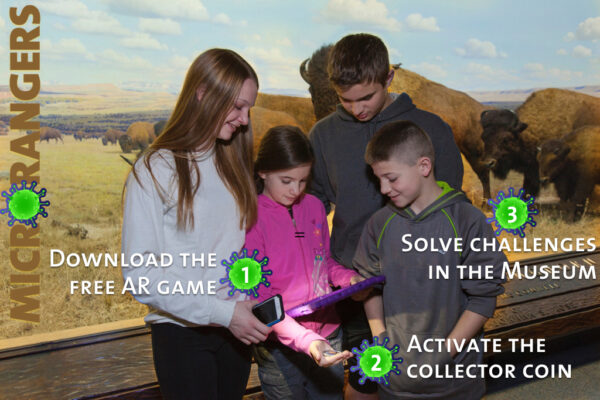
[(404, 141), (358, 58)]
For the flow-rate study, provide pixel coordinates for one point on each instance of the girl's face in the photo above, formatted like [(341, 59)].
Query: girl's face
[(238, 115), (286, 186)]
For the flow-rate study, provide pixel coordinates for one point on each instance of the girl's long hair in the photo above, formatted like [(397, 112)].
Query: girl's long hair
[(282, 147), (218, 74)]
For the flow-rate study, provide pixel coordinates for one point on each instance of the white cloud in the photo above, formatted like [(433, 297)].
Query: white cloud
[(122, 61), (64, 8), (101, 23), (582, 51), (569, 37), (430, 71), (538, 71), (487, 73), (394, 54), (187, 9), (222, 19), (58, 26), (562, 52), (371, 13), (416, 22), (164, 26), (475, 48), (2, 24), (142, 41), (275, 69), (84, 19), (589, 29), (65, 48), (284, 42)]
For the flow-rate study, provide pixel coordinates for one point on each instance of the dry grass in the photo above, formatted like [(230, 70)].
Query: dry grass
[(84, 182)]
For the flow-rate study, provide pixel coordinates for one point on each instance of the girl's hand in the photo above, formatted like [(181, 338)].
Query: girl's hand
[(245, 326), (325, 356)]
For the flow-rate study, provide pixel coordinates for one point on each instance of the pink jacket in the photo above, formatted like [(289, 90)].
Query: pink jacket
[(301, 265)]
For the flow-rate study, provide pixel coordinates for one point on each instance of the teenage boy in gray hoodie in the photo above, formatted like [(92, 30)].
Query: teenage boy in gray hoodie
[(416, 305), (359, 70)]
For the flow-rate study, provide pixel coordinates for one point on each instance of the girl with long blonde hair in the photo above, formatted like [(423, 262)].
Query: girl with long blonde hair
[(192, 192)]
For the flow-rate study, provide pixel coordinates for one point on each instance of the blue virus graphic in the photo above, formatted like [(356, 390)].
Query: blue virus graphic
[(512, 213), (376, 361), (245, 274), (24, 204)]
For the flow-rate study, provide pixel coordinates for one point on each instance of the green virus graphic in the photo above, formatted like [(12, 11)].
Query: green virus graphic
[(512, 213), (376, 361), (24, 204), (245, 274)]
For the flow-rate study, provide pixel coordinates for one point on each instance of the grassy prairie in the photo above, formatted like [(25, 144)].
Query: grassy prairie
[(84, 182)]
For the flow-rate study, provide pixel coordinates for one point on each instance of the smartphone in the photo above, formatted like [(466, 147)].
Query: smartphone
[(270, 311)]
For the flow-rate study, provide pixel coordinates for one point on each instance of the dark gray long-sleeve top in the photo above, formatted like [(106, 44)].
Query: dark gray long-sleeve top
[(342, 177)]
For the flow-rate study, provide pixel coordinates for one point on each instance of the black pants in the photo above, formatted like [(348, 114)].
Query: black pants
[(199, 363)]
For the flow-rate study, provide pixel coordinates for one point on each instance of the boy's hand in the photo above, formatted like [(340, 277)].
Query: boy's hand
[(363, 294), (325, 355)]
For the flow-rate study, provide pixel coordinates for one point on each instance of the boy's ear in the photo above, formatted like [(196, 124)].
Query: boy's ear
[(424, 165), (389, 79)]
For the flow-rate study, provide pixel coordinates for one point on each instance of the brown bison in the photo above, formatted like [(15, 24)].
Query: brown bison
[(512, 139), (263, 119), (112, 136), (572, 164), (298, 107), (138, 136), (80, 135), (457, 109), (322, 94), (47, 133)]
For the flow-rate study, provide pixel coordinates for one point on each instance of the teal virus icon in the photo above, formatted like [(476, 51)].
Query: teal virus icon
[(24, 204), (376, 361), (512, 213), (245, 274)]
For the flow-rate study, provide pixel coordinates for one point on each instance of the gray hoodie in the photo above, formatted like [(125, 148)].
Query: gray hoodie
[(341, 175), (417, 307)]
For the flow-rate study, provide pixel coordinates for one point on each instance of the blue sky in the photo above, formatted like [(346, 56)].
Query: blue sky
[(464, 44)]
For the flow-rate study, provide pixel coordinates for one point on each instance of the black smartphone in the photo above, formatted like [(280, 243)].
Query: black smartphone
[(270, 311)]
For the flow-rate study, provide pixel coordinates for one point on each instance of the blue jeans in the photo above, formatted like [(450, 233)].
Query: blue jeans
[(287, 375)]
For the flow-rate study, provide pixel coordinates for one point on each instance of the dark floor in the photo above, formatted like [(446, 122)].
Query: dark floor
[(79, 372)]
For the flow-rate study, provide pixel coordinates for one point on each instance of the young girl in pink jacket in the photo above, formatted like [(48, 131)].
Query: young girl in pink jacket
[(301, 359)]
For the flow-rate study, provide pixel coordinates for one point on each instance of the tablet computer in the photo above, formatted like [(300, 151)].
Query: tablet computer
[(331, 298)]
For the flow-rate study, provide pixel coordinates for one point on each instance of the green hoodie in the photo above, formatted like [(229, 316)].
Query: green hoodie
[(418, 307)]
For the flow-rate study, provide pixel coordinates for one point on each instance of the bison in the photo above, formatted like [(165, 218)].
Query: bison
[(572, 164), (112, 136), (457, 109), (298, 107), (263, 119), (322, 94), (47, 133), (138, 136), (511, 139)]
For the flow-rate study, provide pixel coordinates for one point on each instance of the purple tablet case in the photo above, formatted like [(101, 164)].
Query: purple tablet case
[(330, 298)]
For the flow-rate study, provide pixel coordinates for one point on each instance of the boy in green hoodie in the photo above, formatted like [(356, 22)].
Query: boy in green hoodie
[(415, 304)]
